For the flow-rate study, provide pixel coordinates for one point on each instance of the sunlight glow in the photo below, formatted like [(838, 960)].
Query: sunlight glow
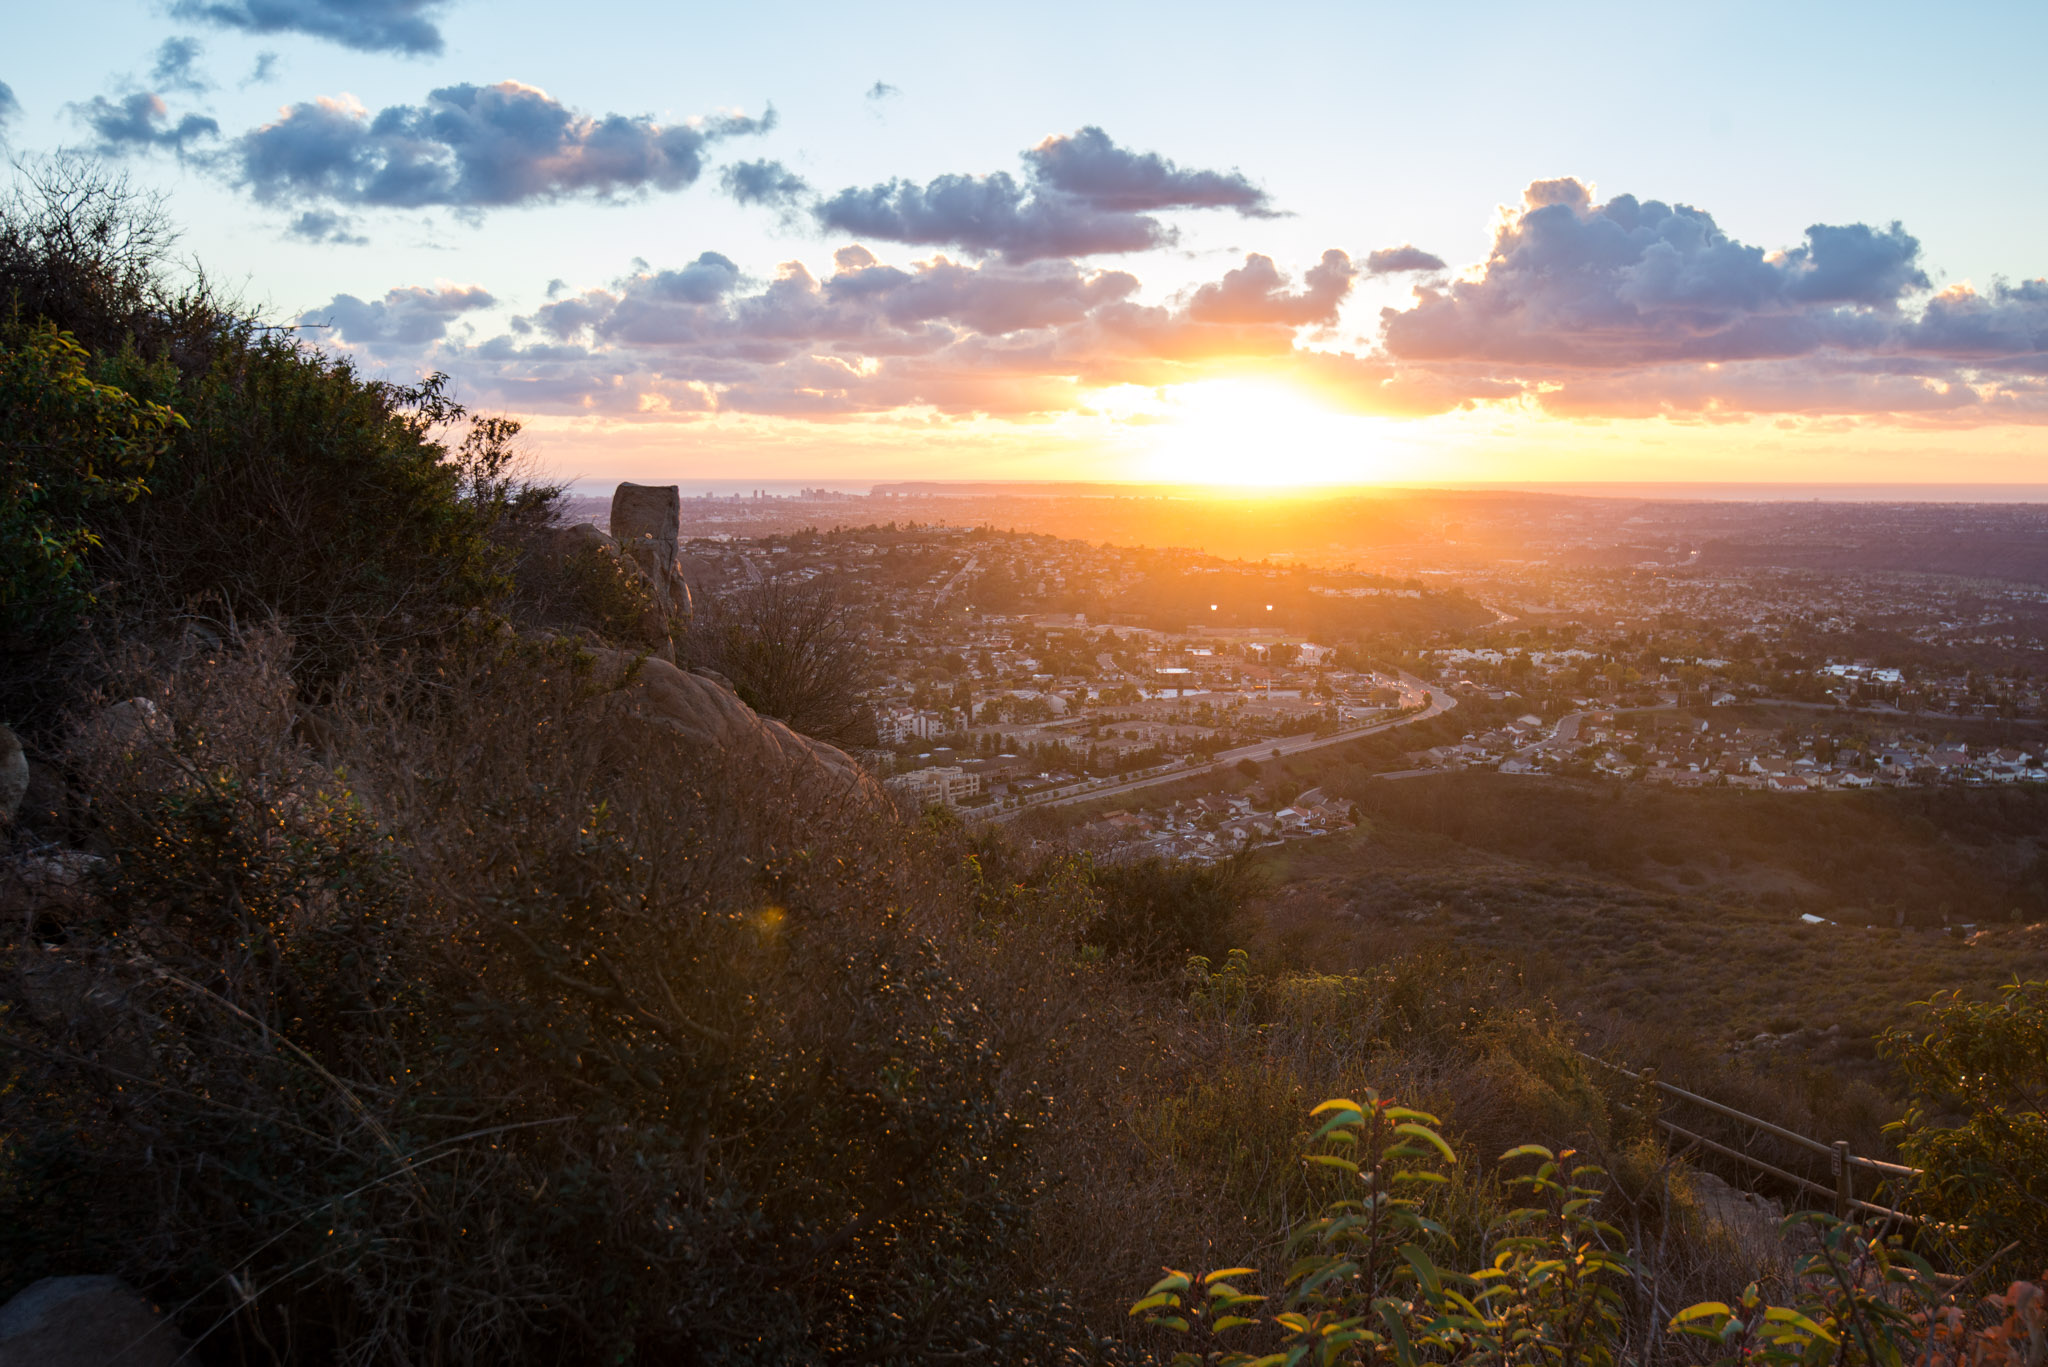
[(1253, 433)]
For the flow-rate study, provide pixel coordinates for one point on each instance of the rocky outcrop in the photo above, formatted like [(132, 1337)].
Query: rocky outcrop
[(85, 1322), (647, 523), (710, 715), (13, 776)]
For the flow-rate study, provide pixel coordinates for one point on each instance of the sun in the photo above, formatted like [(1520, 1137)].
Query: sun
[(1257, 433)]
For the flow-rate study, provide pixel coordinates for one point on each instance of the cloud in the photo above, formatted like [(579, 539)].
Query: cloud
[(1636, 307), (767, 183), (1629, 282), (1090, 167), (1583, 310), (472, 147), (401, 26), (10, 108), (140, 122), (1007, 338), (1081, 195), (1256, 292), (1396, 260), (323, 225), (174, 68), (263, 72), (881, 90), (403, 321)]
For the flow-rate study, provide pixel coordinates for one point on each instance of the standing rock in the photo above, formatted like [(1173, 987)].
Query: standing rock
[(647, 524), (85, 1322), (13, 776)]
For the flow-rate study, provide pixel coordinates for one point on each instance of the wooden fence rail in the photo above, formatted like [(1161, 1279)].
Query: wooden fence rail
[(1844, 1163)]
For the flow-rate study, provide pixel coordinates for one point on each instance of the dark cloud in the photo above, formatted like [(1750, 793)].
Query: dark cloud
[(471, 147), (1080, 196), (265, 70), (323, 225), (10, 108), (882, 90), (1637, 307), (1256, 292), (1629, 282), (1093, 169), (140, 122), (767, 183), (175, 66), (403, 321), (1397, 260), (870, 337), (402, 26)]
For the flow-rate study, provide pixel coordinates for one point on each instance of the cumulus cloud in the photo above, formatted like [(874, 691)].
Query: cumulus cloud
[(140, 122), (995, 337), (1401, 259), (1257, 292), (1090, 167), (176, 67), (401, 26), (324, 225), (1636, 306), (472, 147), (1627, 308), (767, 183), (1080, 195), (403, 321)]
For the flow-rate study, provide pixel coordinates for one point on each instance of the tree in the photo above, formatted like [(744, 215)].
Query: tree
[(67, 444), (793, 650)]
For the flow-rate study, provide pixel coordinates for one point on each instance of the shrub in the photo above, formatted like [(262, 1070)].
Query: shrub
[(1976, 1120), (67, 445), (793, 651), (1158, 911), (522, 1034)]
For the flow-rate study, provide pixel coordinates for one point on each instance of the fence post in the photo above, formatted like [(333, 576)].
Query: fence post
[(1844, 1190)]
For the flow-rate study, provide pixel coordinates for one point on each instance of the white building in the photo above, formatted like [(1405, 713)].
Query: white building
[(946, 784)]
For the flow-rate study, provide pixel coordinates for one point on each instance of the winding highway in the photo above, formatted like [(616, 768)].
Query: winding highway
[(1413, 691)]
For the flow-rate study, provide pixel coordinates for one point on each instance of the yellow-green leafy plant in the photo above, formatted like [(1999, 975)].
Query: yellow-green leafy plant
[(1367, 1282)]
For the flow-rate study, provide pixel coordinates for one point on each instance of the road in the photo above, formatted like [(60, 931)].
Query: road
[(946, 589), (1439, 703)]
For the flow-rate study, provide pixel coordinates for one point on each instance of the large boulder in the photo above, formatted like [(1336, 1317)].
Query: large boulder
[(711, 716), (85, 1322), (647, 525), (13, 776)]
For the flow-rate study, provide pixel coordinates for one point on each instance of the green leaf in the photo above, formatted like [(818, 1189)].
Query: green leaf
[(1172, 1281), (1223, 1272), (1224, 1322), (1155, 1301), (1404, 1113), (1330, 1160), (1779, 1314), (1397, 1330), (1173, 1322), (1337, 1104), (1429, 1136), (1701, 1311), (1527, 1151)]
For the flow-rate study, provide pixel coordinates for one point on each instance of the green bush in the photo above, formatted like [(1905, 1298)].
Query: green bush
[(1158, 911), (67, 446), (1976, 1122)]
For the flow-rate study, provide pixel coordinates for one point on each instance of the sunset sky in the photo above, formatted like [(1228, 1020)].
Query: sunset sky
[(1278, 244)]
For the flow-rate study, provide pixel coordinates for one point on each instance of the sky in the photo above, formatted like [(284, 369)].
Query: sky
[(1262, 246)]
